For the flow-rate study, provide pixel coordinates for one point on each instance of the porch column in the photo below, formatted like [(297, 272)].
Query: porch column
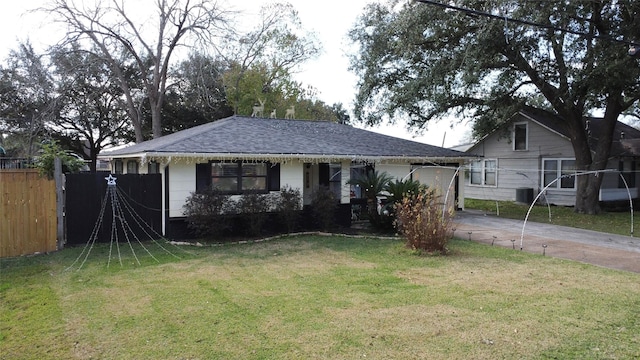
[(345, 193)]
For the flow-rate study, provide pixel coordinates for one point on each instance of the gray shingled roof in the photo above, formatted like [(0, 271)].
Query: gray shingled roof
[(621, 131), (246, 136)]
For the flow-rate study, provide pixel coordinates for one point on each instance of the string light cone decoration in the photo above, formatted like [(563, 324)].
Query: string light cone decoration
[(121, 210)]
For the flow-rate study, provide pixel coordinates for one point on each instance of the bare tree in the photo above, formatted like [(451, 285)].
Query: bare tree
[(277, 43), (126, 38)]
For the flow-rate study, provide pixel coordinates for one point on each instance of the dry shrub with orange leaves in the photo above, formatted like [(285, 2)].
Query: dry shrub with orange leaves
[(424, 222)]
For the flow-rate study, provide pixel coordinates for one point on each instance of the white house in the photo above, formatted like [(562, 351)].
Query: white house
[(532, 150), (245, 154)]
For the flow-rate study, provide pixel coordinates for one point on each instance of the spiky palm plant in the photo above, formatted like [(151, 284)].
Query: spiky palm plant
[(372, 183)]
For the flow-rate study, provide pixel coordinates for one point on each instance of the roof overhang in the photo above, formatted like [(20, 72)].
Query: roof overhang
[(166, 158)]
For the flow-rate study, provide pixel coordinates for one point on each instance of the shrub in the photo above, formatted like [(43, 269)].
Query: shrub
[(323, 207), (208, 212), (421, 219), (253, 209), (288, 207)]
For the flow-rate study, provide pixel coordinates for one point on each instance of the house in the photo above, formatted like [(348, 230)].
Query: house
[(242, 154), (531, 151)]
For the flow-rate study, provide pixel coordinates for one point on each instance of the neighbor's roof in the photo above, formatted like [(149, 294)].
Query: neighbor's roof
[(626, 139), (248, 138), (623, 134)]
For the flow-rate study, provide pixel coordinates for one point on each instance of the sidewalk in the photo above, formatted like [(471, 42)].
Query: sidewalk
[(606, 250)]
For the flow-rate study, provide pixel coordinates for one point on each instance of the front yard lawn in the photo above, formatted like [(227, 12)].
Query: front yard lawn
[(313, 297)]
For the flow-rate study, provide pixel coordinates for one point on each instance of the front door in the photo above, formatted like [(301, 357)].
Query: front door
[(311, 182)]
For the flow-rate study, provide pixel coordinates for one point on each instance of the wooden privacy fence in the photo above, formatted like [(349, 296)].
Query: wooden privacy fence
[(28, 221)]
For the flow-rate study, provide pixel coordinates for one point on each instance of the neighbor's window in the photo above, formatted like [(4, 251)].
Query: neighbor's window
[(238, 177), (484, 172), (559, 168), (520, 136), (490, 172)]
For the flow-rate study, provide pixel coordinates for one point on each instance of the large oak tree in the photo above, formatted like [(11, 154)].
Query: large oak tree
[(421, 61)]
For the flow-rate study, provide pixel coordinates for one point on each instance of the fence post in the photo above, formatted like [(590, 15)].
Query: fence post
[(59, 179)]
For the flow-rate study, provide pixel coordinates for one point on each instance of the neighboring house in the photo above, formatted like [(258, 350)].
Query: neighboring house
[(244, 154), (532, 150)]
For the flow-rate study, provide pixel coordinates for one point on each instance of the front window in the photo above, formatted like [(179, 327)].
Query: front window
[(562, 169), (484, 172), (238, 177), (335, 179)]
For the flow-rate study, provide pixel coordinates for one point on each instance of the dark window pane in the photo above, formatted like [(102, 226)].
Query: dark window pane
[(476, 172), (568, 167), (550, 171), (224, 169), (520, 137), (254, 169), (225, 183), (254, 183), (118, 167), (153, 168)]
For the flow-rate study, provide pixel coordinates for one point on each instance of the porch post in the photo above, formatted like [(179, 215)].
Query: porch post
[(345, 193)]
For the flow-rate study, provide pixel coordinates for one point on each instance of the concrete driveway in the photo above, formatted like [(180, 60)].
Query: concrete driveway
[(606, 250)]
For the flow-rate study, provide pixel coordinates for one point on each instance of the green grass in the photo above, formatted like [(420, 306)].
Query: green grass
[(609, 222), (317, 297)]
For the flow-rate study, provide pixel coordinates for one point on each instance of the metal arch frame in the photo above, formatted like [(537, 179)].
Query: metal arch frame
[(571, 175)]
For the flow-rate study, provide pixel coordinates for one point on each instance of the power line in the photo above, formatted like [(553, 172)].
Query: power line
[(526, 22)]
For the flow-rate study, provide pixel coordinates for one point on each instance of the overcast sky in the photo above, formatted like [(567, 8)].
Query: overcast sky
[(329, 19)]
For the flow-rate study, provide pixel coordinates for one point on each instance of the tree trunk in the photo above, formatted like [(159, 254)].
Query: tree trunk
[(93, 164), (587, 186), (156, 121), (587, 194), (592, 154), (134, 115)]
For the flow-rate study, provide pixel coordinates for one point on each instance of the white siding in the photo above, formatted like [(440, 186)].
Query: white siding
[(291, 175), (618, 194), (440, 179), (559, 197), (182, 182), (397, 171), (520, 169), (436, 177)]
